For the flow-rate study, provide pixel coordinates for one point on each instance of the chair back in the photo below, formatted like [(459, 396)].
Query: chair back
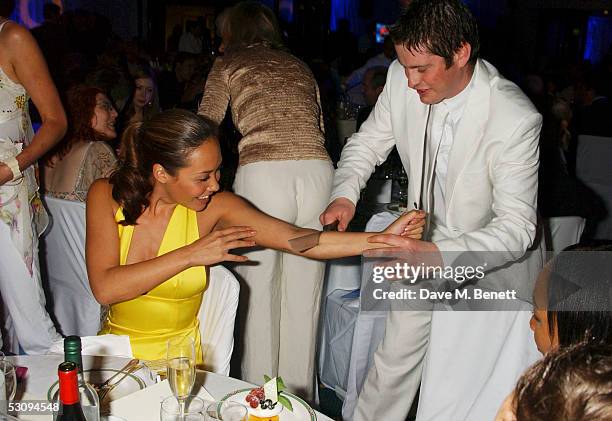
[(217, 316), (71, 301), (594, 169)]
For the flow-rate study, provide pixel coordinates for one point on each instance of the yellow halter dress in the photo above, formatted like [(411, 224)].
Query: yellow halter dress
[(168, 310)]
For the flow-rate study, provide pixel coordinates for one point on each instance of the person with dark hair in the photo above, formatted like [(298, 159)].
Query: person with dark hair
[(573, 298), (468, 139), (173, 85), (84, 155), (285, 171), (571, 384), (191, 40), (356, 80), (572, 303), (373, 84), (143, 102), (26, 325), (156, 224)]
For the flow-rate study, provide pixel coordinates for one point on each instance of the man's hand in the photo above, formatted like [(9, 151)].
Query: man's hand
[(421, 252), (410, 224), (6, 174), (341, 210)]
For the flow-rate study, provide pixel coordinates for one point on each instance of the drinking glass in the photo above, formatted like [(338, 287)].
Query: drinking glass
[(181, 367), (211, 413), (190, 409), (233, 411)]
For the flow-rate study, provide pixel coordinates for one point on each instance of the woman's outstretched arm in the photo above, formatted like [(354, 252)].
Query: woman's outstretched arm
[(274, 233)]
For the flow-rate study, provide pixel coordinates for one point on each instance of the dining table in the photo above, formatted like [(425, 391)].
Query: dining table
[(139, 405)]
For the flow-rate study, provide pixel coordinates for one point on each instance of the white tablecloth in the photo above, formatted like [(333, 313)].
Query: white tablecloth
[(42, 373)]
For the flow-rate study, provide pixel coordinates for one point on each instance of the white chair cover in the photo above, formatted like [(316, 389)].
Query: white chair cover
[(337, 340), (72, 303), (594, 168), (349, 337), (369, 332), (563, 231), (217, 316), (343, 273)]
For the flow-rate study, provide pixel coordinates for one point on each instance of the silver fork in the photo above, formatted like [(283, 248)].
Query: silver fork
[(103, 392), (102, 387)]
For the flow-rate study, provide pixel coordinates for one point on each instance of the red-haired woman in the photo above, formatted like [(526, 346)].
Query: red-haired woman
[(84, 155)]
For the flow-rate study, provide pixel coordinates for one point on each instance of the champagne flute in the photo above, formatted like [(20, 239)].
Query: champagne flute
[(181, 368), (171, 410)]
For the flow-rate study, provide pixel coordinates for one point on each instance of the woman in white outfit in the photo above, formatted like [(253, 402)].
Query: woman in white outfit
[(23, 75), (285, 171)]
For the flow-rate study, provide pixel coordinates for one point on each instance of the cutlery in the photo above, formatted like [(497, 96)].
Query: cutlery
[(101, 388), (102, 393)]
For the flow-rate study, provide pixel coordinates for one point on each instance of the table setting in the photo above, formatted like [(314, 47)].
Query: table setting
[(131, 389)]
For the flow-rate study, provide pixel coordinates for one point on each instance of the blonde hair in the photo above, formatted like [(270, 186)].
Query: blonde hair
[(249, 23)]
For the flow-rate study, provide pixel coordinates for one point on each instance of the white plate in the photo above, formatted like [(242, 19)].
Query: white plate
[(301, 410), (128, 385)]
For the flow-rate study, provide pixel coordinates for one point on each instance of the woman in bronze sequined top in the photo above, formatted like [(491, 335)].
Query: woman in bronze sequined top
[(286, 172)]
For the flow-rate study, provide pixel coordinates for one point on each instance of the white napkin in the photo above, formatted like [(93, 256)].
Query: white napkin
[(112, 345), (145, 404)]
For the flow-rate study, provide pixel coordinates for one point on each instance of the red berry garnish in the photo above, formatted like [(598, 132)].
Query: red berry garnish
[(253, 404)]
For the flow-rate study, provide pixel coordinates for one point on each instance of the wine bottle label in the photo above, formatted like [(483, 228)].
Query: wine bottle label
[(68, 386)]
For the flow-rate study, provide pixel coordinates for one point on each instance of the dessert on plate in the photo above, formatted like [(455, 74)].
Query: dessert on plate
[(267, 402)]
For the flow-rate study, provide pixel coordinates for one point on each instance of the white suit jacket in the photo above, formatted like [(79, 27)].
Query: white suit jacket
[(492, 178)]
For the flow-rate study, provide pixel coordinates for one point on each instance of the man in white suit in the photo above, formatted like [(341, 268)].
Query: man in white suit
[(468, 140)]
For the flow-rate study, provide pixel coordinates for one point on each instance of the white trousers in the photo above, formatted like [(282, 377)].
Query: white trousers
[(26, 321), (468, 360), (473, 362), (281, 293)]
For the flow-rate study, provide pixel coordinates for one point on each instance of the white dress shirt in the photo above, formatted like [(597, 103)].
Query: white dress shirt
[(446, 118)]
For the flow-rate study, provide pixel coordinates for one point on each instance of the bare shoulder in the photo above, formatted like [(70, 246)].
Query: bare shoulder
[(14, 34), (221, 205), (226, 201), (100, 195)]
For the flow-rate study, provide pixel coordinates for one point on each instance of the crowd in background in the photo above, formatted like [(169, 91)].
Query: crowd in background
[(107, 83)]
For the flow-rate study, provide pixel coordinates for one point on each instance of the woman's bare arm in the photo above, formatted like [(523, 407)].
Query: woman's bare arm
[(111, 282), (28, 67), (274, 233)]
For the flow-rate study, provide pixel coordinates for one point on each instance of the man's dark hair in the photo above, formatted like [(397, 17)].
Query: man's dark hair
[(437, 26)]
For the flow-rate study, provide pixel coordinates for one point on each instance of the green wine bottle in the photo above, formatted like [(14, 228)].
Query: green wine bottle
[(70, 405)]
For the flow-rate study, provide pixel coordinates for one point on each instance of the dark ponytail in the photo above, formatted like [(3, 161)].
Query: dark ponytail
[(167, 139)]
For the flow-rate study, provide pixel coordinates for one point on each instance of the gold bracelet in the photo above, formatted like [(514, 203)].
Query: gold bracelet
[(13, 165)]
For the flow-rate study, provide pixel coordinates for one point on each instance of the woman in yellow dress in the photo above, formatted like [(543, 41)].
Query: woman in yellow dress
[(160, 220)]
